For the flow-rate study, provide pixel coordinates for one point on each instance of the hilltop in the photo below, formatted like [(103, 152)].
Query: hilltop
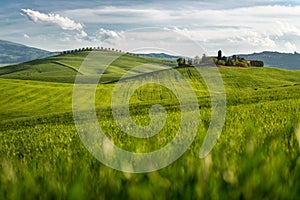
[(64, 68)]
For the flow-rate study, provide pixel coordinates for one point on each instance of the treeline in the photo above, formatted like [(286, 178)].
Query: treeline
[(219, 60), (257, 63), (189, 62), (236, 61), (89, 49)]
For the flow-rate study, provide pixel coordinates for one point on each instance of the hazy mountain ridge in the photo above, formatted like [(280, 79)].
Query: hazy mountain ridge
[(159, 55), (276, 59), (12, 53), (270, 58)]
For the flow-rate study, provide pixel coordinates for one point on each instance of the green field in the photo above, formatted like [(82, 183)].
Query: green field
[(42, 157)]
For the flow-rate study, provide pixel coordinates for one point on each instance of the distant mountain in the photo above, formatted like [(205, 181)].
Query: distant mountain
[(276, 59), (13, 53), (272, 59), (160, 55)]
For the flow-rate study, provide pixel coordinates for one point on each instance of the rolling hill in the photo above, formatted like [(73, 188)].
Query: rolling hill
[(64, 68), (12, 53), (42, 155)]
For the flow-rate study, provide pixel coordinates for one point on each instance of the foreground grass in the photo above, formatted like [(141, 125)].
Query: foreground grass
[(256, 157)]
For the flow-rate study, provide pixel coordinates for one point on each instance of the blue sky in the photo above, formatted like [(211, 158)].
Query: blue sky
[(233, 26)]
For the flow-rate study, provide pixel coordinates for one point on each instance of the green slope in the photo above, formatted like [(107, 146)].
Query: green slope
[(64, 68), (26, 98), (257, 155)]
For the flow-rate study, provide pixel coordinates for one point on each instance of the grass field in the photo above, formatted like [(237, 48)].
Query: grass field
[(42, 156)]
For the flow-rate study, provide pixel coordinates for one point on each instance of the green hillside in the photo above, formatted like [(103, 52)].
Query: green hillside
[(257, 155), (63, 68)]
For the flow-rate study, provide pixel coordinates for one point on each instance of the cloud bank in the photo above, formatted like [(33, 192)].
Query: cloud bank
[(238, 28)]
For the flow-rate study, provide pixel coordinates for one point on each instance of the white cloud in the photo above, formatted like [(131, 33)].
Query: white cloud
[(290, 47), (231, 34), (121, 15), (234, 29), (253, 38), (63, 22), (82, 36), (185, 13), (109, 36), (284, 27), (26, 36), (183, 31), (254, 27)]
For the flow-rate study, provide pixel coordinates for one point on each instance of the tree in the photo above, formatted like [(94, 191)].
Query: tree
[(205, 59), (215, 60), (197, 60), (234, 57), (256, 63), (219, 55), (181, 62), (221, 62)]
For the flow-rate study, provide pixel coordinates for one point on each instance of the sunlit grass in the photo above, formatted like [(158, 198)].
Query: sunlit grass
[(257, 155)]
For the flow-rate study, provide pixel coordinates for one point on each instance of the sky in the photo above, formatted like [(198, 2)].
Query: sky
[(171, 26)]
